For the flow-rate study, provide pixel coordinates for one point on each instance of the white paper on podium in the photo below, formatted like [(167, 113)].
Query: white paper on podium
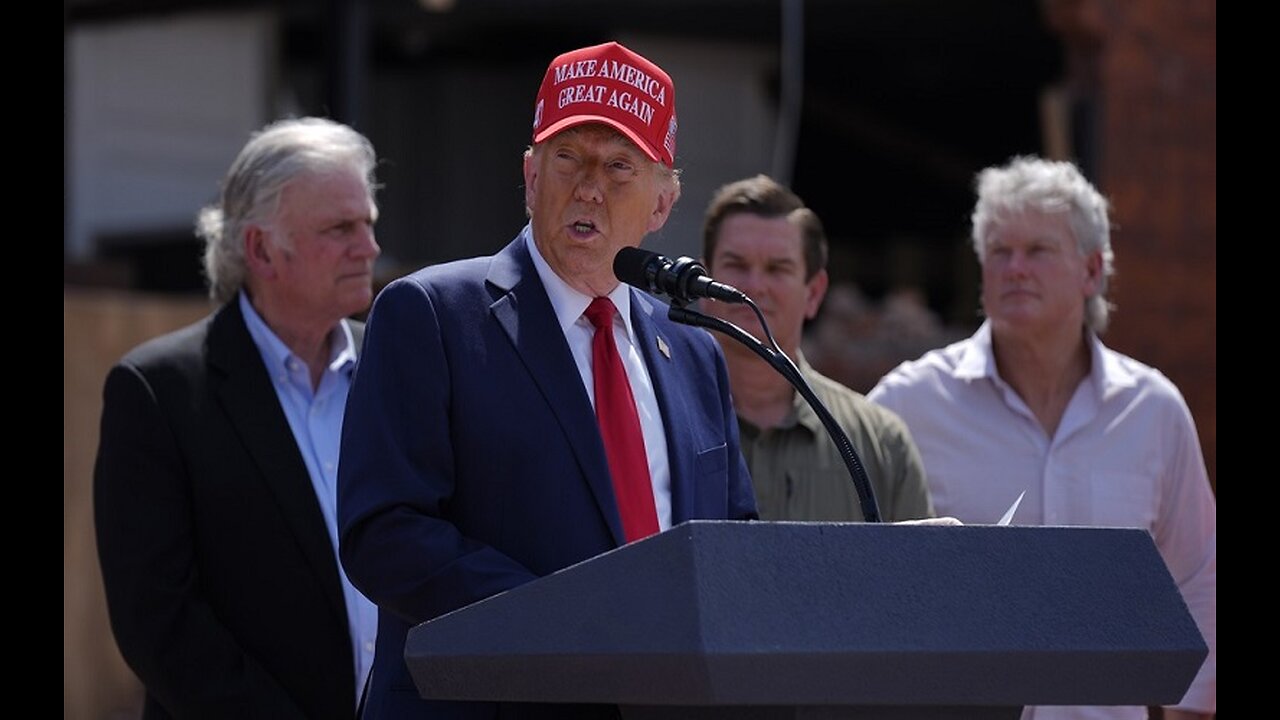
[(1008, 514)]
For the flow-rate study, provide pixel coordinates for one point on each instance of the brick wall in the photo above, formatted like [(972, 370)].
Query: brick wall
[(1149, 68)]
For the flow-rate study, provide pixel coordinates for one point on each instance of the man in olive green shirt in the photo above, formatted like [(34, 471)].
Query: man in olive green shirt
[(759, 237)]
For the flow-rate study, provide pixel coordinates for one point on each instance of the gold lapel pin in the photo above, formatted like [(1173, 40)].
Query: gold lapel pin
[(663, 348)]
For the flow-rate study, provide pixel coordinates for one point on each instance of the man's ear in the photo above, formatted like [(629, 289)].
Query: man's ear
[(1093, 273), (260, 255), (530, 176), (662, 209), (816, 289)]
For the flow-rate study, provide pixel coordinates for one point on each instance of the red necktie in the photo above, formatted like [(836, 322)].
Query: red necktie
[(620, 427)]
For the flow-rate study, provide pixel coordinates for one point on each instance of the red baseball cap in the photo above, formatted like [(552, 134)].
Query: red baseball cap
[(612, 85)]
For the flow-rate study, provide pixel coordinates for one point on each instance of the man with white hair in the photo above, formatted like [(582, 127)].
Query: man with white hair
[(215, 485), (1034, 402)]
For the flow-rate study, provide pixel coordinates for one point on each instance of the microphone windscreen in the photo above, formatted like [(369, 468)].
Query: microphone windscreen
[(632, 266)]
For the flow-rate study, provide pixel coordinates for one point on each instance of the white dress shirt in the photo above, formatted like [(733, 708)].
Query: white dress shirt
[(569, 306)]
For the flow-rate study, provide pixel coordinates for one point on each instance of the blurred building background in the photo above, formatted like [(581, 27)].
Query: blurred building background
[(878, 112)]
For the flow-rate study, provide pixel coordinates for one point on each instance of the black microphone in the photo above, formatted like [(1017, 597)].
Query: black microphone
[(683, 279)]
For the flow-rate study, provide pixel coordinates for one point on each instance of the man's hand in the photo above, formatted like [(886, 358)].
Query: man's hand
[(1172, 714), (931, 521)]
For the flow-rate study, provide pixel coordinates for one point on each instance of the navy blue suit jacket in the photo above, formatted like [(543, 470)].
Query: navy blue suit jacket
[(472, 462)]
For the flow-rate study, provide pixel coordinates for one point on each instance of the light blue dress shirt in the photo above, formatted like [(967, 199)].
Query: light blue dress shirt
[(316, 420)]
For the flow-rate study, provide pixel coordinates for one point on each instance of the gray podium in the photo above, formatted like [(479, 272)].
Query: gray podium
[(761, 620)]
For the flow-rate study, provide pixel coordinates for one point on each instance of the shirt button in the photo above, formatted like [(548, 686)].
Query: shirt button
[(368, 646), (328, 466)]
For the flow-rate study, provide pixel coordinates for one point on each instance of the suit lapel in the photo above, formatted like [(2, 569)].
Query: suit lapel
[(525, 314), (657, 350), (254, 411)]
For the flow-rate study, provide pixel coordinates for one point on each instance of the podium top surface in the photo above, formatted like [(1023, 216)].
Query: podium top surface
[(786, 613)]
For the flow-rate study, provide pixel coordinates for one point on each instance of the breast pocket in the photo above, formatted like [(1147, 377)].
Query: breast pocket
[(1123, 499), (821, 495), (710, 483), (712, 461)]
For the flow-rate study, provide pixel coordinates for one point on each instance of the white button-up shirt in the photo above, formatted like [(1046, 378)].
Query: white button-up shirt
[(569, 306)]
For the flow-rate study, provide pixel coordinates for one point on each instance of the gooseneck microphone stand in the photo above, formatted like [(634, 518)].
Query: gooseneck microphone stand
[(780, 362)]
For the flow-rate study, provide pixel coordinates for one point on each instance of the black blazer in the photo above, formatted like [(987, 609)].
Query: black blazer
[(221, 582)]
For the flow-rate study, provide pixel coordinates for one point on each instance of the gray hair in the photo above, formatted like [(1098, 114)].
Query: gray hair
[(251, 190), (1048, 186)]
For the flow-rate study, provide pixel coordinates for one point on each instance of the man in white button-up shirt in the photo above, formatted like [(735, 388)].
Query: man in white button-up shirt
[(1034, 402)]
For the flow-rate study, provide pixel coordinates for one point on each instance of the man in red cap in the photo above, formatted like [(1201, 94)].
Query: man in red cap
[(493, 435)]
